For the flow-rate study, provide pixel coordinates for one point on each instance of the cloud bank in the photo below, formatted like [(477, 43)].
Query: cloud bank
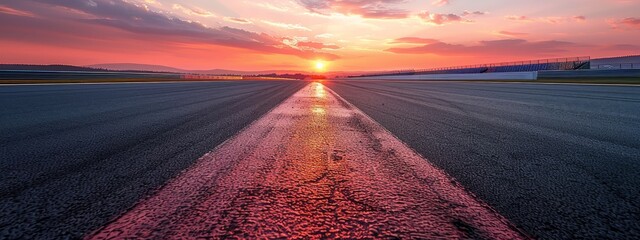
[(83, 15)]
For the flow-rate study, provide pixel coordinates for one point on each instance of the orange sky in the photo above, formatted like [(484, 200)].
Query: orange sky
[(292, 35)]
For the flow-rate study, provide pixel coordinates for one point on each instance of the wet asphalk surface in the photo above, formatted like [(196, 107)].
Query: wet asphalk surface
[(313, 167)]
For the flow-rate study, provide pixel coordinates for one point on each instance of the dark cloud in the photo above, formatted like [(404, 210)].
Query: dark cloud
[(379, 9), (153, 26), (477, 13)]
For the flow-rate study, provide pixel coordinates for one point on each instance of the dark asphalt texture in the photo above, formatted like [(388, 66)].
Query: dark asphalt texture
[(559, 161), (74, 157), (313, 168)]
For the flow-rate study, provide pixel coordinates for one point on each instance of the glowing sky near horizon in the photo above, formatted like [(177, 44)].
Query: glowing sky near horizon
[(296, 34)]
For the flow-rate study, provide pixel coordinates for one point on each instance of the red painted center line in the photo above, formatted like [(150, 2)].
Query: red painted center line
[(313, 167)]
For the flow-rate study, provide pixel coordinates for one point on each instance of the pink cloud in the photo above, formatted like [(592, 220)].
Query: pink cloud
[(379, 9), (622, 48), (440, 19), (317, 45), (238, 20), (552, 20), (8, 10), (626, 23), (512, 34), (518, 18), (414, 40), (193, 11), (507, 47), (440, 2)]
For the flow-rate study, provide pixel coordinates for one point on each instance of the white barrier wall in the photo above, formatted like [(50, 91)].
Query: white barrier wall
[(627, 62), (465, 76)]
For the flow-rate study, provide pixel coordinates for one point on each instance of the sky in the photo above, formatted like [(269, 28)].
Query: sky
[(347, 35)]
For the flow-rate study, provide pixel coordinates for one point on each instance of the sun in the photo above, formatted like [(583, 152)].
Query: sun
[(320, 65)]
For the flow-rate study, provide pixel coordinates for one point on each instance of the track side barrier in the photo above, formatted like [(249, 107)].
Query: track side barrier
[(463, 77)]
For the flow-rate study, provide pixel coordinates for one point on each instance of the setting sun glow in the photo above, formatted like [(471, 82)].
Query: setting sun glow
[(320, 66)]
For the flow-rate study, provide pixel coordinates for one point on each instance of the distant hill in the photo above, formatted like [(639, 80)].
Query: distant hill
[(160, 68), (136, 67), (133, 67), (33, 67), (71, 68)]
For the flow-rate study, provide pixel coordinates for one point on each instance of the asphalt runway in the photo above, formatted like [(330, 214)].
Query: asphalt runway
[(74, 157), (312, 168), (559, 161)]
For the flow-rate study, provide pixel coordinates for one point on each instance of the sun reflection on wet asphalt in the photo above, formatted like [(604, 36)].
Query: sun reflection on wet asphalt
[(320, 102), (318, 110), (319, 91)]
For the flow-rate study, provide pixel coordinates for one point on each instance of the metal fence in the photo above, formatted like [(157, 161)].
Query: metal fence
[(585, 59), (516, 63)]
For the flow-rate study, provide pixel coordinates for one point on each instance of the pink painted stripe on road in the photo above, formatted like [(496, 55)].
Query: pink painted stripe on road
[(313, 167)]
